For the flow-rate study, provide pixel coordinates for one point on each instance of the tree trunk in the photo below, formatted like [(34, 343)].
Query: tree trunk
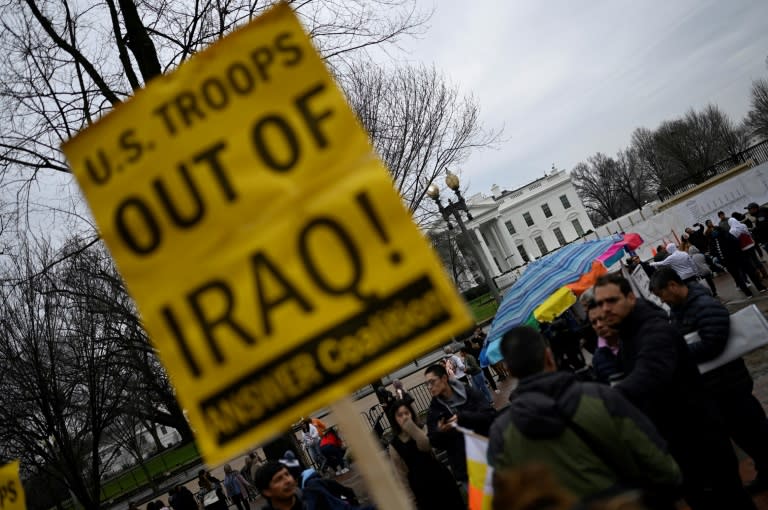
[(152, 429)]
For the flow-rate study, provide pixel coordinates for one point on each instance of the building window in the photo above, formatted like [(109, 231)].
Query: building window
[(547, 210), (541, 245), (565, 202), (523, 253), (510, 227), (559, 235), (163, 430), (528, 219), (577, 226)]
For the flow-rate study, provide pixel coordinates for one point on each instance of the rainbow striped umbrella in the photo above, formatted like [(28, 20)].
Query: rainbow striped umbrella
[(539, 281)]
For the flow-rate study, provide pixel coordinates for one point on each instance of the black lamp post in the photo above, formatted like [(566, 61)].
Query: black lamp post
[(454, 209)]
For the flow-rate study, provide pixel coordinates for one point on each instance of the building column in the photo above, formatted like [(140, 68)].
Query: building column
[(504, 246), (489, 262)]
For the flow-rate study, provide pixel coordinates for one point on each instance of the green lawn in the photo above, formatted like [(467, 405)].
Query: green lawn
[(167, 461), (483, 307)]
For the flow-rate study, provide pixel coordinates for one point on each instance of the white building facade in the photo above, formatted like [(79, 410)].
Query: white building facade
[(514, 227)]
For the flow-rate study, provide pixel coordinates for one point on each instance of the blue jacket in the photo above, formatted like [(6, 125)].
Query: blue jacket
[(604, 364), (706, 315)]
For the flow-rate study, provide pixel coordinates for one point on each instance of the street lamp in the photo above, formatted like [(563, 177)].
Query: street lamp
[(454, 209)]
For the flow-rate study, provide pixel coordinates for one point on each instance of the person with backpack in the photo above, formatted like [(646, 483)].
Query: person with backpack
[(211, 495), (237, 487), (454, 365), (332, 449), (280, 489), (181, 498), (310, 436), (473, 370), (596, 443)]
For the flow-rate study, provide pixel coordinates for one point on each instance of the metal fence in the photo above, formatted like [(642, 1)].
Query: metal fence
[(379, 422), (756, 154)]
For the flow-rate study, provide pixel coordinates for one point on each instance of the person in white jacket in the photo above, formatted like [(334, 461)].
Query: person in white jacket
[(311, 438), (681, 262)]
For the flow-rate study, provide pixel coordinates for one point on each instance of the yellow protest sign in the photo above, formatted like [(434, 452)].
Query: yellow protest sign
[(11, 490), (273, 264)]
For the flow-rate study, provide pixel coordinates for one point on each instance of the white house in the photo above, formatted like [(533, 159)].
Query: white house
[(512, 227), (121, 459)]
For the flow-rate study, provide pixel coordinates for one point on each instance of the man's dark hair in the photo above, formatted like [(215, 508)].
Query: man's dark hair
[(614, 279), (263, 477), (437, 369), (720, 213), (523, 349), (662, 277)]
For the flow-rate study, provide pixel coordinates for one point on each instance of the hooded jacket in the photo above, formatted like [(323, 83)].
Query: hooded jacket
[(661, 378), (473, 412), (700, 260), (737, 228), (706, 315), (550, 415)]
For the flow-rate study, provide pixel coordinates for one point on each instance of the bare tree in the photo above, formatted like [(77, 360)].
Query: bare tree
[(90, 274), (61, 387), (683, 148), (450, 249), (596, 183), (420, 125), (698, 140), (757, 117), (649, 157), (65, 64), (127, 434), (632, 179)]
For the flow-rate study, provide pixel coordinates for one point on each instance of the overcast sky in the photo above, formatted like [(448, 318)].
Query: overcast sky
[(567, 79)]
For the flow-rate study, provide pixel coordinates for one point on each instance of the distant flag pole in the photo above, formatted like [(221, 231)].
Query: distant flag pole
[(480, 473)]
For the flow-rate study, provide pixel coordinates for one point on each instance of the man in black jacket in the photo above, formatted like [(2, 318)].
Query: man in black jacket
[(697, 238), (730, 386), (760, 230), (454, 403), (662, 380)]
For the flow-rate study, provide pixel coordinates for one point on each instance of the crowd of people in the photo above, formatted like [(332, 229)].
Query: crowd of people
[(649, 432), (734, 245), (645, 430)]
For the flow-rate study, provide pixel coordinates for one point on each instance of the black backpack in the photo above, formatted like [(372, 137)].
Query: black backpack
[(323, 494)]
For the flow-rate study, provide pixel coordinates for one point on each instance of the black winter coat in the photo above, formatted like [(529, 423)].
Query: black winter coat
[(706, 315), (760, 232), (698, 239), (475, 414), (660, 376), (604, 364), (726, 247)]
